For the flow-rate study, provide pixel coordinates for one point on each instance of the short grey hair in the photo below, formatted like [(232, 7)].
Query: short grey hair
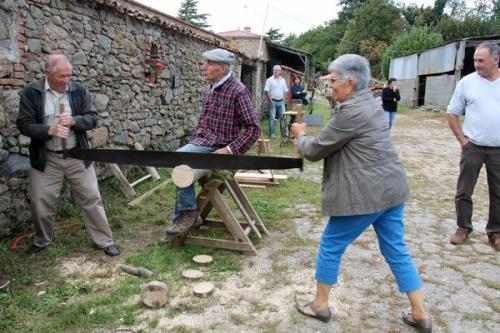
[(276, 67), (492, 47), (354, 67), (53, 60)]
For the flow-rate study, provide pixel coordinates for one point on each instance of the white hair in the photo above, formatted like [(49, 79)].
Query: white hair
[(276, 67), (53, 60), (354, 67)]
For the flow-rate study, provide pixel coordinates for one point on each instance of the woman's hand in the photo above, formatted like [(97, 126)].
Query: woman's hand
[(298, 129)]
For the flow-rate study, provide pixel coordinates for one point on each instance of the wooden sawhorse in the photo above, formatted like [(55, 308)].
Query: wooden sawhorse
[(211, 197)]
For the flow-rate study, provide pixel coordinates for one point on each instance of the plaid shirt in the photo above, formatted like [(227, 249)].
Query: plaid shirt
[(227, 110)]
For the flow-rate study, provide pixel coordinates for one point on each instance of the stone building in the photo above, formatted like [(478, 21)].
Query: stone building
[(116, 48)]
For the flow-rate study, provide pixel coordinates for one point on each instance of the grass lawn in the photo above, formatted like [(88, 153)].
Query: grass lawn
[(47, 295)]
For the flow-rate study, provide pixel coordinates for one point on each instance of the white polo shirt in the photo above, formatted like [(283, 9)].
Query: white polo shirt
[(276, 87), (478, 99)]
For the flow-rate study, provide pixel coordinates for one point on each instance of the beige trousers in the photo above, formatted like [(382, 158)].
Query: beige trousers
[(45, 188)]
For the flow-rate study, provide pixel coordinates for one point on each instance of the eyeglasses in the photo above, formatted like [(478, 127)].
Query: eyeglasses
[(333, 79)]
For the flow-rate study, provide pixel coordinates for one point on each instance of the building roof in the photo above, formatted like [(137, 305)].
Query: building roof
[(246, 33)]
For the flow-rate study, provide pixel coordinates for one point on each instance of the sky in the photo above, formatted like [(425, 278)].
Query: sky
[(291, 16)]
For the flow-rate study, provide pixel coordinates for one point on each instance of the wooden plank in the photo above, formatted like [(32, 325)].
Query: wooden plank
[(252, 186), (220, 225), (248, 206), (141, 198), (221, 244), (227, 216), (151, 170), (252, 175), (140, 180), (242, 208), (125, 187)]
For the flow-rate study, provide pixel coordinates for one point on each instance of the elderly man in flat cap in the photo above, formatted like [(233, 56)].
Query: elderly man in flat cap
[(227, 110)]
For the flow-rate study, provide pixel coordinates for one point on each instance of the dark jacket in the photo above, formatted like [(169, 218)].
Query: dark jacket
[(30, 120), (298, 92), (390, 99), (362, 173)]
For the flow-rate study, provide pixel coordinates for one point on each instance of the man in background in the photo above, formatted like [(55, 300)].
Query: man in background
[(477, 98), (276, 90)]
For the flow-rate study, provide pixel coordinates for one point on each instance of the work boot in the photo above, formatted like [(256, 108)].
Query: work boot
[(460, 236), (494, 240), (187, 220)]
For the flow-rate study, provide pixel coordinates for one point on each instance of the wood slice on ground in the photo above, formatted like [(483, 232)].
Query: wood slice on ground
[(155, 294), (192, 274), (203, 289), (203, 259)]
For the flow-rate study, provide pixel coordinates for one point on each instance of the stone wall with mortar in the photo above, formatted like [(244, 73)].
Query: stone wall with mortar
[(111, 49)]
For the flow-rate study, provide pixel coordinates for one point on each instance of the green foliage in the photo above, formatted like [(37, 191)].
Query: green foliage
[(274, 35), (288, 40), (321, 42), (472, 25), (407, 42), (374, 24), (189, 12)]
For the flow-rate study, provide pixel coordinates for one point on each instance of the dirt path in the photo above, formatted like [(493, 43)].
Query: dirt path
[(461, 284)]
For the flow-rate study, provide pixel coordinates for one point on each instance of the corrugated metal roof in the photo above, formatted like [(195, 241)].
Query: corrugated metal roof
[(404, 68), (437, 60)]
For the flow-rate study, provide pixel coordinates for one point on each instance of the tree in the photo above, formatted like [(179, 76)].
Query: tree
[(189, 12), (274, 35), (376, 20), (288, 40), (418, 38), (321, 42), (348, 8)]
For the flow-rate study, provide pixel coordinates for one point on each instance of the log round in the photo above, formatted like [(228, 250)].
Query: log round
[(202, 259), (203, 289), (192, 274), (155, 294), (183, 175)]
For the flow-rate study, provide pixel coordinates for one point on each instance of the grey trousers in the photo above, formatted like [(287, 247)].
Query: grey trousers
[(45, 188), (472, 160)]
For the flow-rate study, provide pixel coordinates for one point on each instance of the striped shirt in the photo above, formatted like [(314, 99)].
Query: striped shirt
[(227, 110)]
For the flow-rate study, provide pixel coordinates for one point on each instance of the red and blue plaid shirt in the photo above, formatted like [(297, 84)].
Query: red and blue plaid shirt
[(227, 110)]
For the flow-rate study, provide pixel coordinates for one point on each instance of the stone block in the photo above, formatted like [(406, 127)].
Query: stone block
[(100, 137)]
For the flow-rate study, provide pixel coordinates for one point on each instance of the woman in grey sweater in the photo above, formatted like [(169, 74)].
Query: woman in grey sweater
[(364, 184)]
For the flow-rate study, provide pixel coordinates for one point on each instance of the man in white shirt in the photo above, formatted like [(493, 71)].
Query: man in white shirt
[(276, 90), (477, 98)]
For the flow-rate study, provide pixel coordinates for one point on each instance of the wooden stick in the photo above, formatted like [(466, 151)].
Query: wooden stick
[(141, 198), (137, 271), (151, 170)]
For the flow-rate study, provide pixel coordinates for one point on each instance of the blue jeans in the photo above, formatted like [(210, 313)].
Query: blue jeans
[(343, 230), (390, 117), (186, 197), (277, 109)]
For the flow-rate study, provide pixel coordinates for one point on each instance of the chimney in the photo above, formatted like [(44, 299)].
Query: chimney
[(247, 29)]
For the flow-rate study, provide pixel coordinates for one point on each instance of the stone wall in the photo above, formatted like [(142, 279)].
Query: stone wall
[(111, 53)]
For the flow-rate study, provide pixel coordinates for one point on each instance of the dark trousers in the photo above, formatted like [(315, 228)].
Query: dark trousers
[(472, 160)]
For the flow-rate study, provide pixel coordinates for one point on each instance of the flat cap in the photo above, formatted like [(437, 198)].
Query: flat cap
[(220, 56)]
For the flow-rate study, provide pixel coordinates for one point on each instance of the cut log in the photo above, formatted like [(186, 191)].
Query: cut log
[(203, 289), (203, 259), (155, 294), (192, 274), (183, 175), (137, 271)]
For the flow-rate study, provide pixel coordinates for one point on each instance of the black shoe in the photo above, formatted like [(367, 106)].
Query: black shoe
[(32, 249), (112, 250)]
